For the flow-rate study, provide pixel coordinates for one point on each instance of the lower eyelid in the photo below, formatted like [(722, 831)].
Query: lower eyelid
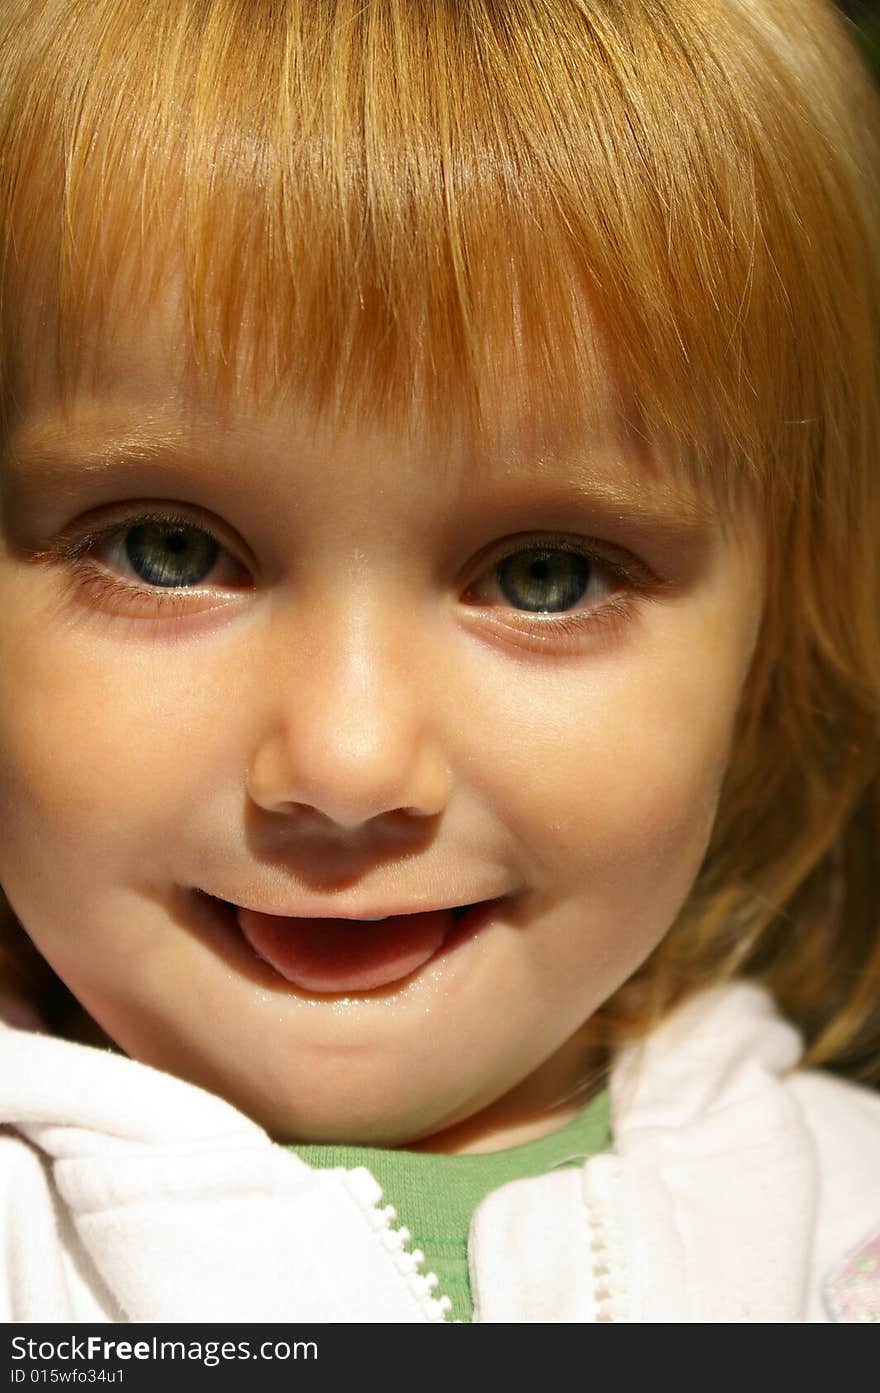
[(566, 632)]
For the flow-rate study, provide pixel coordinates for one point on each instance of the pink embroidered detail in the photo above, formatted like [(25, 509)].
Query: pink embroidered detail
[(852, 1289)]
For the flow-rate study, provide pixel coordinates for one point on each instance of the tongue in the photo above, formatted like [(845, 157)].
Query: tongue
[(345, 955)]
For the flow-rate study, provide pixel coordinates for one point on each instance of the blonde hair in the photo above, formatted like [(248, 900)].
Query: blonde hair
[(420, 190)]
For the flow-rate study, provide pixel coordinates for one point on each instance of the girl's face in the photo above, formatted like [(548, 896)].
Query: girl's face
[(387, 676)]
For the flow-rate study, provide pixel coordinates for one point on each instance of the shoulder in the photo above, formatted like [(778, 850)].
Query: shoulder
[(771, 1167), (32, 1228), (843, 1121), (42, 1256), (839, 1113), (126, 1193)]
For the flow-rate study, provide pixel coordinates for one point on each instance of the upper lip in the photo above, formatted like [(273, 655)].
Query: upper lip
[(323, 911)]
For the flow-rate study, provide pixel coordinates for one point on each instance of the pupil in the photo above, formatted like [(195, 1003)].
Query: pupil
[(169, 555), (544, 581)]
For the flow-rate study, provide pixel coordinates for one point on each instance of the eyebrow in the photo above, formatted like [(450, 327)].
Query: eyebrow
[(52, 456)]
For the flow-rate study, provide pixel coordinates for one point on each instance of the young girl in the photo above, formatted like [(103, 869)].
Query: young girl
[(434, 897)]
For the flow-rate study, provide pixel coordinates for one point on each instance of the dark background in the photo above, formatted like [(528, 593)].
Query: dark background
[(865, 14)]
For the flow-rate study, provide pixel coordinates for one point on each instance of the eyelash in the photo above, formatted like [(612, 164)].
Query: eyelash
[(73, 552), (608, 617)]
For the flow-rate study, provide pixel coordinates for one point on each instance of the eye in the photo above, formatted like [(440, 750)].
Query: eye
[(169, 554), (557, 589), (147, 561), (552, 576), (159, 555), (544, 579)]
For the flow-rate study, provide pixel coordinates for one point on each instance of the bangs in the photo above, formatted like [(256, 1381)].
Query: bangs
[(406, 210)]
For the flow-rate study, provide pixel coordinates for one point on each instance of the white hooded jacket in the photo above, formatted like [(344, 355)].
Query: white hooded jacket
[(738, 1189)]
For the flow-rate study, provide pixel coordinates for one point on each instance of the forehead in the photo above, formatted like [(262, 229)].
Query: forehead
[(142, 327), (134, 387)]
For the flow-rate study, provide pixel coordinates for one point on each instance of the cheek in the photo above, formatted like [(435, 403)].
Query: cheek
[(90, 759), (615, 783)]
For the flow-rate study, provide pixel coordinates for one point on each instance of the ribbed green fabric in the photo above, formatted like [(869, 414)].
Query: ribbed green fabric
[(435, 1196)]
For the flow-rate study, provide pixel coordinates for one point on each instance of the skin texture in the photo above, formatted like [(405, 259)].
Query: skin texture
[(349, 712)]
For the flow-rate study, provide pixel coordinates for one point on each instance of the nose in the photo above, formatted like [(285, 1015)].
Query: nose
[(352, 728)]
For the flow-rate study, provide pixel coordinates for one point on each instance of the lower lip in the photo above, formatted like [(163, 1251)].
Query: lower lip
[(324, 956)]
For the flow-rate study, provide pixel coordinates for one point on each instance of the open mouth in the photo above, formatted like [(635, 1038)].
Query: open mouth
[(353, 955)]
